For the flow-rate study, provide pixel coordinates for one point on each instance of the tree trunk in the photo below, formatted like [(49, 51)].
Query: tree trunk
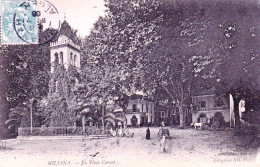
[(236, 110), (3, 117), (182, 119), (83, 124), (103, 115)]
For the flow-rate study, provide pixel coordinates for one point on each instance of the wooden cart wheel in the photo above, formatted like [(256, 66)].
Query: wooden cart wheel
[(222, 127), (214, 127), (206, 127)]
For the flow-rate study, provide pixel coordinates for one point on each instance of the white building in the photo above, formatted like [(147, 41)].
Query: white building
[(207, 105), (65, 52), (140, 111)]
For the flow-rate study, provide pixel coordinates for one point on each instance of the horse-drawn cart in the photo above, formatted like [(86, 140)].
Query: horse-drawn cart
[(216, 126)]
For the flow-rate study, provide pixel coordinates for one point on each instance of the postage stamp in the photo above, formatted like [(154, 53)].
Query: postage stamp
[(19, 25)]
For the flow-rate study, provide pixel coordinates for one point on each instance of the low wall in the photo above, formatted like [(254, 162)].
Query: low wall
[(61, 131)]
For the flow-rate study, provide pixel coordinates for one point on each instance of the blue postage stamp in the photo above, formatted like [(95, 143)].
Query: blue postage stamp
[(19, 25)]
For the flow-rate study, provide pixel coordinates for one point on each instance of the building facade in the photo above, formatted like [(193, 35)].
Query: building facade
[(140, 111), (207, 105)]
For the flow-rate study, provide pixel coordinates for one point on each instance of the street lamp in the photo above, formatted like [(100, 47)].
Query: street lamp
[(31, 116)]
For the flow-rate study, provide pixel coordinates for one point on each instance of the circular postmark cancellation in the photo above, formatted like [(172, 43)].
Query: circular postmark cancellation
[(49, 21), (36, 22)]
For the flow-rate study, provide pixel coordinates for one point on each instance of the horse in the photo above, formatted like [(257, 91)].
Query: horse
[(195, 124)]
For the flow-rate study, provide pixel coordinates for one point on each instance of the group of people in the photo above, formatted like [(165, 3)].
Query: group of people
[(148, 136), (121, 132), (162, 141)]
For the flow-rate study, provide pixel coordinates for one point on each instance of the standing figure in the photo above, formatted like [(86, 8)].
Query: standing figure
[(162, 124), (148, 134), (162, 144), (120, 131)]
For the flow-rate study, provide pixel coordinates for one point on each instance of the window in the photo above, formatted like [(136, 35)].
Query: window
[(142, 108), (219, 102), (162, 114), (147, 108), (56, 58), (61, 57), (71, 59), (75, 60), (203, 104), (202, 118), (134, 108)]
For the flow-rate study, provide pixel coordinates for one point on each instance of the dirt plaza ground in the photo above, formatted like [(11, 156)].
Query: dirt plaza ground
[(185, 147)]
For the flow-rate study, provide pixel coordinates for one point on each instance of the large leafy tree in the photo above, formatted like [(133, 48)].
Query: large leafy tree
[(9, 97), (237, 41), (149, 49), (116, 42), (27, 77), (171, 66), (205, 45)]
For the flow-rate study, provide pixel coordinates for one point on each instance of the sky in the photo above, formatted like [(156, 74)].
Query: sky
[(80, 14)]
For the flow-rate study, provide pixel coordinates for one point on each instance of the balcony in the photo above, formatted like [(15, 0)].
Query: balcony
[(128, 111), (219, 108), (198, 108)]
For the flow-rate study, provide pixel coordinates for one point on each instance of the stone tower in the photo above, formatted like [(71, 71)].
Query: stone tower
[(65, 52)]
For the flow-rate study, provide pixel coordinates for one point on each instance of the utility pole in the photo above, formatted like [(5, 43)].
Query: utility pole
[(83, 123), (103, 115), (31, 116), (102, 105)]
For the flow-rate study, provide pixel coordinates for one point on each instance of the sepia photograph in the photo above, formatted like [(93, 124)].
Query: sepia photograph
[(129, 83)]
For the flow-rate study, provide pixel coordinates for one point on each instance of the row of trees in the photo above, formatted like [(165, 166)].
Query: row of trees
[(169, 49)]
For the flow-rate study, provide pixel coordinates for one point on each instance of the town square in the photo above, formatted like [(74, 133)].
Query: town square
[(130, 83), (185, 147)]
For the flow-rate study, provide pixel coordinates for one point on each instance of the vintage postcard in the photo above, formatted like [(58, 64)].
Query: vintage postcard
[(122, 83)]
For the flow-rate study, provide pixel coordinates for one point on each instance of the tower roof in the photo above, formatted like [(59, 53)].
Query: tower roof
[(64, 40)]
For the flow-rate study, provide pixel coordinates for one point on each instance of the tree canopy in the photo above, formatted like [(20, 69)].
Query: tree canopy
[(166, 49)]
